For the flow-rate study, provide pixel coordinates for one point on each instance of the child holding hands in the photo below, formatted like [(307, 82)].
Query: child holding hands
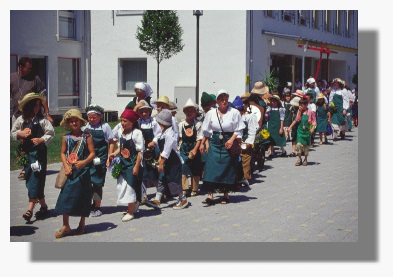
[(75, 197), (35, 132)]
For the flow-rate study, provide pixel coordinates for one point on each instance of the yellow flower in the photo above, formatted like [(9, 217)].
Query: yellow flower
[(265, 134)]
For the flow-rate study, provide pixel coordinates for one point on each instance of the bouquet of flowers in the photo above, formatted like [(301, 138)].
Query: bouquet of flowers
[(262, 136), (21, 156), (333, 108), (115, 168)]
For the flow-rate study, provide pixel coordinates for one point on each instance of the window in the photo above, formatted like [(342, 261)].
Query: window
[(131, 71), (328, 21), (288, 16), (316, 18), (68, 82), (349, 24), (270, 14), (304, 18), (67, 24)]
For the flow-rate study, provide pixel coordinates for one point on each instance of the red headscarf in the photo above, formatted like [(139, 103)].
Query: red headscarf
[(130, 115)]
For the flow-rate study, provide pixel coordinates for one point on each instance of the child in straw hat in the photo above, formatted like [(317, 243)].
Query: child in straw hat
[(190, 133), (75, 197), (125, 163), (34, 132), (102, 137)]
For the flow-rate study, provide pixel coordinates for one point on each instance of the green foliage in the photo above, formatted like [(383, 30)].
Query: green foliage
[(160, 34), (271, 80)]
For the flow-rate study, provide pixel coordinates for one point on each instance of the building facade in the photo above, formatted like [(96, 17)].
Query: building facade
[(94, 57)]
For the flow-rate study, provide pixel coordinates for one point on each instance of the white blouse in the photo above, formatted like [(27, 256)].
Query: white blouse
[(46, 126), (104, 127), (135, 135), (231, 121), (170, 144), (198, 127), (150, 123), (252, 126)]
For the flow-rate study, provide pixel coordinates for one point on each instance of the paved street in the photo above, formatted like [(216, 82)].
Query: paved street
[(315, 203)]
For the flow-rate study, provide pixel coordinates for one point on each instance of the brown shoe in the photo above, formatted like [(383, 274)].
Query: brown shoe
[(305, 162), (299, 162), (22, 175)]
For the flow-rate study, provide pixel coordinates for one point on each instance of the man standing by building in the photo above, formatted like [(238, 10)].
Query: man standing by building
[(21, 83)]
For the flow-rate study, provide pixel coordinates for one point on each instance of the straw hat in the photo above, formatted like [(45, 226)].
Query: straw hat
[(31, 96), (295, 101), (298, 93), (145, 105), (190, 103), (320, 96), (246, 95), (277, 97), (163, 99), (71, 113), (260, 88)]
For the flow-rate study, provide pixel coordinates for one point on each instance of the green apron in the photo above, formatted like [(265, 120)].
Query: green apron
[(314, 95), (264, 120), (76, 195), (171, 175), (337, 114), (220, 168), (98, 172), (149, 172), (303, 131), (35, 181), (245, 131), (288, 115), (191, 167), (322, 120), (127, 165), (274, 125)]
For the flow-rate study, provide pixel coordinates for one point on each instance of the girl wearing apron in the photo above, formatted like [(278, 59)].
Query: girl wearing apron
[(275, 125)]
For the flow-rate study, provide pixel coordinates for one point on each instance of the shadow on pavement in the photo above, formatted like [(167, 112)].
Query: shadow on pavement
[(51, 172), (18, 231), (99, 227)]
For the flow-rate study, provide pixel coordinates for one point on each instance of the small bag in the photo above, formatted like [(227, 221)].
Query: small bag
[(235, 149), (61, 178), (329, 130)]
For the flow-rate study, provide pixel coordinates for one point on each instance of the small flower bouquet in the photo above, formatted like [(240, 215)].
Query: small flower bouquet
[(115, 168), (333, 107), (21, 156), (262, 136)]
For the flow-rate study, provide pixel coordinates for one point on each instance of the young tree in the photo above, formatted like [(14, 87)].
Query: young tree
[(160, 36)]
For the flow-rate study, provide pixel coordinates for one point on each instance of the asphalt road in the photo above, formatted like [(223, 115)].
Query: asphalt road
[(313, 203)]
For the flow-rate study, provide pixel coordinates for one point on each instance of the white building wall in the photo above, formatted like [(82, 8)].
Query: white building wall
[(33, 33), (222, 55)]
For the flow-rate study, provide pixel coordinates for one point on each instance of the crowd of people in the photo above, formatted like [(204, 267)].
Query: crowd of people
[(215, 144)]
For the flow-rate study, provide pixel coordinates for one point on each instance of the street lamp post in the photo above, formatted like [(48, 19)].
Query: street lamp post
[(197, 13)]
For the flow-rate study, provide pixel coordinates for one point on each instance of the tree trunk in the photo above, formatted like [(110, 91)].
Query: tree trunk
[(158, 79)]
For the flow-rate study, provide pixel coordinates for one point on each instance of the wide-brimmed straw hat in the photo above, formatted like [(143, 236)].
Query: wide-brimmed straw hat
[(189, 104), (277, 97), (299, 93), (30, 96), (260, 88), (246, 95), (295, 101), (71, 113), (321, 96), (163, 99)]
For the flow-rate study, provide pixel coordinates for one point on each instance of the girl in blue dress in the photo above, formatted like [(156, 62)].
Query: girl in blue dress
[(35, 132), (77, 151)]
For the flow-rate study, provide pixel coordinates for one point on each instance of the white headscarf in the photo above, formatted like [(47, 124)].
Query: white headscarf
[(145, 87)]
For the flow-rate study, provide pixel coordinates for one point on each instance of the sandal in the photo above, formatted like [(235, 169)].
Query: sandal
[(320, 143), (27, 215), (293, 154), (299, 162), (80, 230), (209, 202), (22, 175), (42, 212), (305, 162), (225, 200), (62, 233)]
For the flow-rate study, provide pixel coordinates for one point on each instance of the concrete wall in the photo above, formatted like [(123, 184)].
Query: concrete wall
[(222, 55)]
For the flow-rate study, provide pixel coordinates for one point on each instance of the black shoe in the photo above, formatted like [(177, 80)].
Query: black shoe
[(43, 211)]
